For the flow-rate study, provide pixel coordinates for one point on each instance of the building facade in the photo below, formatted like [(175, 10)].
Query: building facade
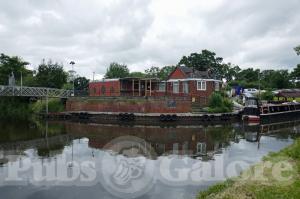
[(182, 82)]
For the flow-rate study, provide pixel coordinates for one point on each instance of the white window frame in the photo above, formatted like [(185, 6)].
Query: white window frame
[(217, 86), (177, 83), (160, 85), (202, 86), (185, 87)]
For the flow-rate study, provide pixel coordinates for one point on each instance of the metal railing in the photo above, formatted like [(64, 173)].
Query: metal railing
[(24, 91)]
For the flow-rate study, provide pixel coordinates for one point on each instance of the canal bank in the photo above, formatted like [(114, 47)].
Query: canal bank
[(277, 176)]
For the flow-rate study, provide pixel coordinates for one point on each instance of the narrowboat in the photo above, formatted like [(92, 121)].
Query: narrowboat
[(255, 111)]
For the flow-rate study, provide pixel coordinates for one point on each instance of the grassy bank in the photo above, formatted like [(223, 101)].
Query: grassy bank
[(15, 108), (277, 176)]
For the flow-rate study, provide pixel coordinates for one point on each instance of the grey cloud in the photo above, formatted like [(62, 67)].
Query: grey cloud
[(142, 33)]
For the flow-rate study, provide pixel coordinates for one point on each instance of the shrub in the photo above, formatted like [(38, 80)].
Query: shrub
[(268, 95), (54, 105), (219, 104)]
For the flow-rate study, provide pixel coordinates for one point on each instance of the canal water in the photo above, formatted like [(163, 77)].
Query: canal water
[(46, 160)]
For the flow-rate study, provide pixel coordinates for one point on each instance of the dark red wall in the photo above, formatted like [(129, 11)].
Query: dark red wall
[(129, 105), (112, 88)]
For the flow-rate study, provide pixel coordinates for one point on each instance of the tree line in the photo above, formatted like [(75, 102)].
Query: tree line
[(49, 74), (52, 74), (234, 75)]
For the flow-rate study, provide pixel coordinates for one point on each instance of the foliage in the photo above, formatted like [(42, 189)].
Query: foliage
[(81, 83), (219, 104), (51, 75), (54, 105), (161, 73), (137, 74), (12, 64), (297, 49), (14, 108), (268, 95), (116, 70), (202, 61)]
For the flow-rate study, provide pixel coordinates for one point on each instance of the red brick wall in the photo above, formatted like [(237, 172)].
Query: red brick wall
[(112, 88), (130, 106), (177, 74)]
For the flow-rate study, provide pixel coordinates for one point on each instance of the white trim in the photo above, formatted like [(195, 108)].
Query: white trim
[(105, 80), (194, 79)]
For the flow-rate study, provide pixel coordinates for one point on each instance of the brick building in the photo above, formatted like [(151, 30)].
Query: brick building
[(182, 82)]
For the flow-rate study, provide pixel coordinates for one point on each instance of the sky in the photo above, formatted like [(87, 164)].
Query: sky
[(145, 33)]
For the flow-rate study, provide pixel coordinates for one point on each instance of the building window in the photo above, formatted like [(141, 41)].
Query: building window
[(103, 90), (201, 85), (175, 87), (162, 86), (217, 86), (185, 87)]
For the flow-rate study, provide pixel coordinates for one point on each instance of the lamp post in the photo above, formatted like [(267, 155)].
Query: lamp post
[(73, 72)]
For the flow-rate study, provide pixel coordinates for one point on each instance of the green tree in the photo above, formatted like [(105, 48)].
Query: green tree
[(116, 70), (152, 72), (81, 83), (166, 71), (12, 64), (203, 61), (297, 49), (51, 75), (137, 74)]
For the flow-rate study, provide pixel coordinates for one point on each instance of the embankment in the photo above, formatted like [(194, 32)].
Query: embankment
[(277, 176)]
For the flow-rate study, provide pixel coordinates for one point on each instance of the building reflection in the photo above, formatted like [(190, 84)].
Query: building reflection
[(50, 139)]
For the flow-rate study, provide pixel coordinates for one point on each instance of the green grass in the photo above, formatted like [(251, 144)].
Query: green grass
[(263, 185)]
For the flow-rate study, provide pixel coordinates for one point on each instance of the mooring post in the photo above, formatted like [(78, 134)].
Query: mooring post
[(47, 111)]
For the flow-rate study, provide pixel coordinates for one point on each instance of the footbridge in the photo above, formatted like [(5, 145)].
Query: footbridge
[(38, 92), (23, 91)]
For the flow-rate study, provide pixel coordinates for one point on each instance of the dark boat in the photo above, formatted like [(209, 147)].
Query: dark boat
[(254, 111)]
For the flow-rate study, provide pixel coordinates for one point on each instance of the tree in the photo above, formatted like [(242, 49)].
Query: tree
[(81, 83), (275, 79), (116, 70), (161, 73), (297, 49), (203, 61), (137, 74), (51, 75), (152, 72), (12, 64), (166, 71)]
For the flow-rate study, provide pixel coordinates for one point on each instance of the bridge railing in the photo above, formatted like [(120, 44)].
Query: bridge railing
[(34, 92)]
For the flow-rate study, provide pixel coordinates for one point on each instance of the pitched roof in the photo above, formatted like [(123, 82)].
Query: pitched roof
[(192, 73)]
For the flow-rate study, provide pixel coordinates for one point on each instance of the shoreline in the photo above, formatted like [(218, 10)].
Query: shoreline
[(260, 180)]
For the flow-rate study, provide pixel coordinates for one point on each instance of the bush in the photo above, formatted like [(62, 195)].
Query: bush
[(268, 95), (219, 104), (14, 108), (54, 105)]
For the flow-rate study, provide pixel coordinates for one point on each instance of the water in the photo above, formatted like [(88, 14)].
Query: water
[(46, 160)]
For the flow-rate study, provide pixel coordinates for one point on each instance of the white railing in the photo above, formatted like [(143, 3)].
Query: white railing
[(34, 92)]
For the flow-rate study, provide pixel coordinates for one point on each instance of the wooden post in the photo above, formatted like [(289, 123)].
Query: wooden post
[(139, 87), (145, 87), (150, 87), (133, 87)]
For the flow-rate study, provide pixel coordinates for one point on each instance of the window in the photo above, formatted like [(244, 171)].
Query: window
[(185, 87), (201, 85), (175, 87), (162, 86), (217, 86)]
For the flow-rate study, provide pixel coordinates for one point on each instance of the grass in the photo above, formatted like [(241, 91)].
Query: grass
[(262, 180)]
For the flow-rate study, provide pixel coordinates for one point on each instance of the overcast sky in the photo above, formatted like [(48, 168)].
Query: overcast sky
[(144, 33)]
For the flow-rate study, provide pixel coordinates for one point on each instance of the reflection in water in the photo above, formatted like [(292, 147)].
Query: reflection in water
[(47, 142)]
